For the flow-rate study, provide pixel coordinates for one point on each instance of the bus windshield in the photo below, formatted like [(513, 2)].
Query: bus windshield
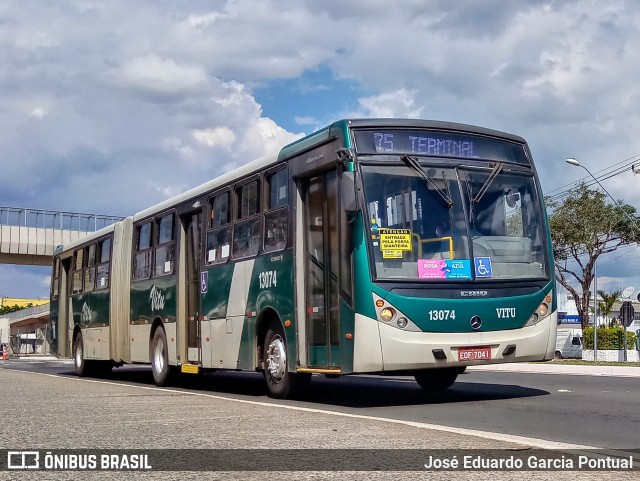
[(445, 223)]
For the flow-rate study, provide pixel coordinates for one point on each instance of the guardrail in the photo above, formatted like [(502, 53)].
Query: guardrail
[(48, 219)]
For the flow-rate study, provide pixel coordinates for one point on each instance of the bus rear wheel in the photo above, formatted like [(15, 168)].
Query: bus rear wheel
[(159, 356), (79, 362), (86, 367), (437, 379), (281, 383)]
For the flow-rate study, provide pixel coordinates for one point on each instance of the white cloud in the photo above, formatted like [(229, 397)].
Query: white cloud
[(157, 74), (306, 120), (37, 113), (400, 103), (216, 137)]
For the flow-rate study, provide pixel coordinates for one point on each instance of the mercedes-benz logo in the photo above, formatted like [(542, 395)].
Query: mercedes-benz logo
[(476, 322)]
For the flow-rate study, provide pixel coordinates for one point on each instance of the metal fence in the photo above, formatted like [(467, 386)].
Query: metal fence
[(48, 219)]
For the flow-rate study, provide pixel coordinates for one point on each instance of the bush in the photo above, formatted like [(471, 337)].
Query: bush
[(608, 338)]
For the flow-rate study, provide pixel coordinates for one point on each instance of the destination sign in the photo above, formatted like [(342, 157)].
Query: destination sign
[(439, 144)]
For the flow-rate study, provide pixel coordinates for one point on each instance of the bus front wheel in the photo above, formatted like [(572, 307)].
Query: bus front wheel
[(436, 379), (281, 383)]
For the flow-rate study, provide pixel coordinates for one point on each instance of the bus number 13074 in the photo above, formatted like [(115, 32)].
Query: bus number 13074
[(268, 279)]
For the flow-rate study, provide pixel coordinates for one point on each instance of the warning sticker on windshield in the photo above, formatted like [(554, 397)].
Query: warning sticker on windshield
[(395, 239)]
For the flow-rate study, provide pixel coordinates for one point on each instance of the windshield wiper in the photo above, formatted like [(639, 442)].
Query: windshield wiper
[(496, 170), (442, 196)]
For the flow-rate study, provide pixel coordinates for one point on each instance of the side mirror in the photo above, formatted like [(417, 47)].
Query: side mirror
[(348, 191)]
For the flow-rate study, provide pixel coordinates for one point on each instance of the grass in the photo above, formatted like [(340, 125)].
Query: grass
[(579, 362)]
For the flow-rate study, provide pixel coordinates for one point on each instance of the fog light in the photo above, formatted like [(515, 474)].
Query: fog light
[(387, 314), (532, 320), (402, 322)]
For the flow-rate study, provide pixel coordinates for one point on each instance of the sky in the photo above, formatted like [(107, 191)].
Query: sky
[(111, 107)]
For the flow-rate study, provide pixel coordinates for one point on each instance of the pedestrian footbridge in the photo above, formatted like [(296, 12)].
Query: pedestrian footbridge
[(29, 236)]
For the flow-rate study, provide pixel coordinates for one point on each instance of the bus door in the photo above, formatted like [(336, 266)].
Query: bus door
[(192, 224), (61, 312), (321, 244)]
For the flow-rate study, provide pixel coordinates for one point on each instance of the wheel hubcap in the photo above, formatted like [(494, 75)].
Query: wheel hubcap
[(276, 359), (158, 356), (78, 357)]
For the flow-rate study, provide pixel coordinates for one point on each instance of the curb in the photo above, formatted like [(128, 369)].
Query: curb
[(549, 368)]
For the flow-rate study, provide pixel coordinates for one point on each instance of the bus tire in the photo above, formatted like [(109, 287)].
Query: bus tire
[(159, 357), (79, 362), (281, 383), (436, 379)]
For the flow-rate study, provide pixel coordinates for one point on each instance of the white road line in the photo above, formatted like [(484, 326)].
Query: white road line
[(522, 440)]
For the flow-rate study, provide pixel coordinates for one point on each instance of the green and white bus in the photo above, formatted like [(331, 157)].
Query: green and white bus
[(384, 246)]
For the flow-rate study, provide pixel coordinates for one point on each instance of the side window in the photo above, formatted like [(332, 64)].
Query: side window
[(90, 269), (164, 251), (246, 230), (78, 271), (218, 229), (276, 217), (104, 265), (248, 196), (142, 258)]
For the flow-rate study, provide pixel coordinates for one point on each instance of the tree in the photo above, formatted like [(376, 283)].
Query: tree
[(8, 309), (583, 227), (608, 300)]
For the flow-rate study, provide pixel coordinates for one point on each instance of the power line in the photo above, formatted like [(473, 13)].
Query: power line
[(604, 174)]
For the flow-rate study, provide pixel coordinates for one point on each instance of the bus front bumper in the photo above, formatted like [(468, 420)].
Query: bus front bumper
[(405, 350)]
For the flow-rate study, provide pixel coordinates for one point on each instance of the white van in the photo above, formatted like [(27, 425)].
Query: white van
[(569, 343)]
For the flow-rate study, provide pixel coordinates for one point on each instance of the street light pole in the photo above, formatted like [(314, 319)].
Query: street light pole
[(595, 311), (577, 163)]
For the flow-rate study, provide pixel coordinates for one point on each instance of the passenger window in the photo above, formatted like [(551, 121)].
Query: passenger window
[(164, 252), (276, 219), (278, 189), (218, 243), (248, 196), (246, 238), (219, 206), (165, 229), (78, 271), (246, 230), (142, 258), (104, 257), (144, 236)]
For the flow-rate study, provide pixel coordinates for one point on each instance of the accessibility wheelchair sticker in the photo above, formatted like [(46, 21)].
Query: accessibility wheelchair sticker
[(483, 266)]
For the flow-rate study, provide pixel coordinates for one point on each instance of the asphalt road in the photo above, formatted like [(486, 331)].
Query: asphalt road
[(600, 411)]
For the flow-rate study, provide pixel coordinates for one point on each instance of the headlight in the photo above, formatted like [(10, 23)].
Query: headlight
[(542, 310), (402, 322), (387, 314)]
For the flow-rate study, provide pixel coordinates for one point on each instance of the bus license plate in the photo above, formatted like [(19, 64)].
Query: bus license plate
[(474, 353)]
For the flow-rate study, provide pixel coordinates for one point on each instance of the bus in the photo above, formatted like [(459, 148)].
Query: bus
[(378, 246)]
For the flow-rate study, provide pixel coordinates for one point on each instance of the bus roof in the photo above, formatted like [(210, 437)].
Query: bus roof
[(336, 129)]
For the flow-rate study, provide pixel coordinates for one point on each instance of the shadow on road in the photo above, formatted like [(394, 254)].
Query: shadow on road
[(347, 391)]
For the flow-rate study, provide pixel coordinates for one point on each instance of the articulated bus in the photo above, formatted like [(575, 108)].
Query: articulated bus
[(380, 246)]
